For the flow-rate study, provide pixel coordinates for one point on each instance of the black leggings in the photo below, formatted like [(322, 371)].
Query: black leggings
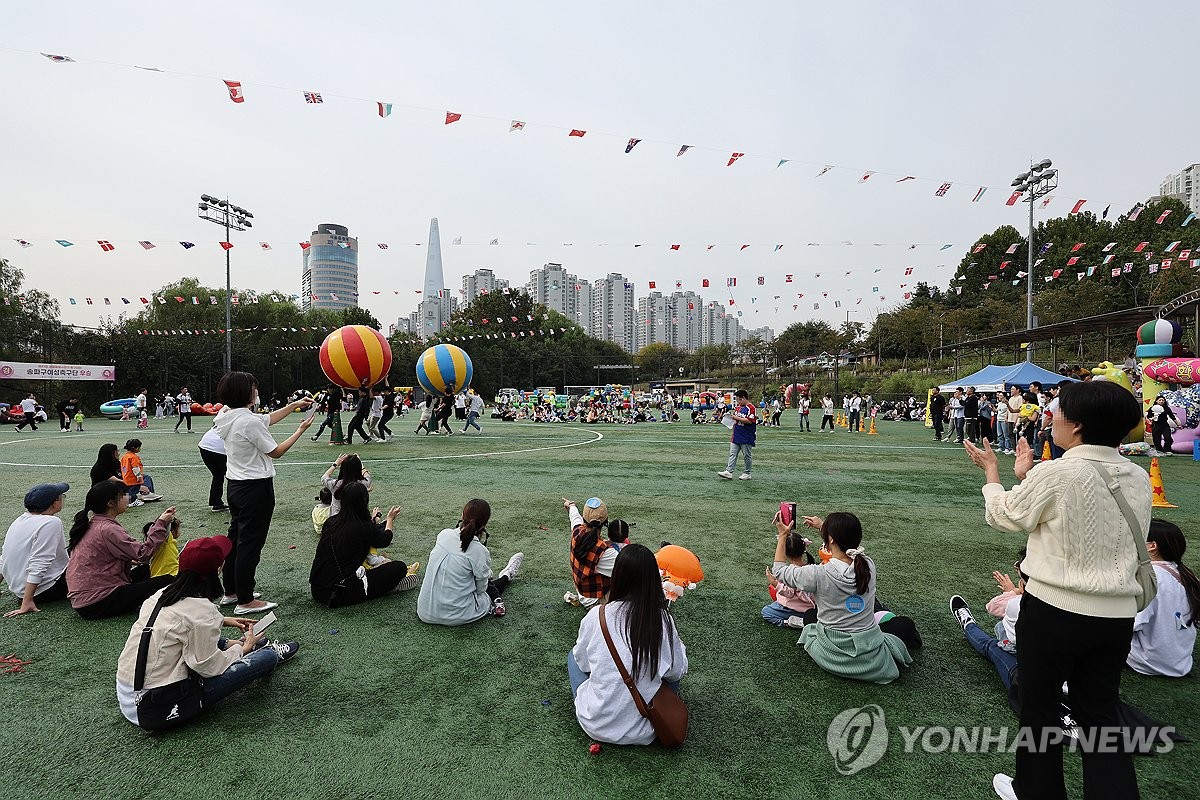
[(251, 504), (383, 421), (184, 416), (826, 418), (356, 424), (216, 463), (1161, 432), (125, 599), (495, 588), (380, 581)]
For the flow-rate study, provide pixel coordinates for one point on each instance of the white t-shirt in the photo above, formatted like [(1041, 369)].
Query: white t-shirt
[(212, 442), (28, 405), (460, 401), (141, 401), (1162, 639), (603, 704), (856, 404), (35, 551), (377, 406), (247, 442)]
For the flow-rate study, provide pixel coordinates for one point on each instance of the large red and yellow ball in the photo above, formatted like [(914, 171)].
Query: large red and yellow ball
[(355, 353)]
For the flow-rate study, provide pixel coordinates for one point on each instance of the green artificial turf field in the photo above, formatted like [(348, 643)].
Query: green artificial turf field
[(381, 705)]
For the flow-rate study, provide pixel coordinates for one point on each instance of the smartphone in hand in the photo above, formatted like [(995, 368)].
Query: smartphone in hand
[(787, 513), (264, 623)]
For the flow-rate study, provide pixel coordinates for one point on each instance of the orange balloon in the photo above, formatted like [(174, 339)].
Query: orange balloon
[(679, 564)]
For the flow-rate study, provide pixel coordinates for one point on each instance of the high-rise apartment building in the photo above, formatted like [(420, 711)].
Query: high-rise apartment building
[(329, 278), (1183, 185), (684, 331), (718, 327), (652, 320), (555, 288), (613, 311), (484, 281)]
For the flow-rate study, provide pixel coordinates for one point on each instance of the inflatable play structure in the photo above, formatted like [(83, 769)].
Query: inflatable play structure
[(793, 392), (1165, 372), (113, 409)]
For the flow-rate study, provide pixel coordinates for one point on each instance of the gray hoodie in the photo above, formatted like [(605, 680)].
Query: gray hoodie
[(839, 606)]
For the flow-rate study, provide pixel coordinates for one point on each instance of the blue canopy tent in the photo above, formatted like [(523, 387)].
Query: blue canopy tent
[(993, 378)]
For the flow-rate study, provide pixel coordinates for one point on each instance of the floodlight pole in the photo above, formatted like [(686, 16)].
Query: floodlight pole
[(1038, 182), (232, 218)]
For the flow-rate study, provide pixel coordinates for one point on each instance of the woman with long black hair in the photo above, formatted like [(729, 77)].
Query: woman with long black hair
[(644, 635), (108, 464), (250, 454), (458, 587), (1164, 633), (349, 469), (337, 577), (100, 577), (186, 635)]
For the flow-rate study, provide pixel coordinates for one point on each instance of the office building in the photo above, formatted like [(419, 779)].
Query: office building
[(438, 303), (329, 278)]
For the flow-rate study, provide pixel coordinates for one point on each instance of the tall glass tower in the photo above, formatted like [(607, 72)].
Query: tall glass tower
[(330, 274)]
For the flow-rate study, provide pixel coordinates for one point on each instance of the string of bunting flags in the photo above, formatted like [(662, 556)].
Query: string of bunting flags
[(383, 109)]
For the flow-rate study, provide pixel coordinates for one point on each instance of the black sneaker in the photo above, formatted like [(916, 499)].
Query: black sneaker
[(286, 650), (218, 509), (958, 608)]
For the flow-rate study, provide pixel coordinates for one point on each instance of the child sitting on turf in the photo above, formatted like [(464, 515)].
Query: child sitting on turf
[(138, 484), (165, 560), (618, 534), (78, 420), (845, 639), (592, 558), (320, 512), (788, 604)]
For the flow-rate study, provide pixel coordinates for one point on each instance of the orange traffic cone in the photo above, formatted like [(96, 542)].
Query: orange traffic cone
[(872, 432), (1156, 487), (1046, 451)]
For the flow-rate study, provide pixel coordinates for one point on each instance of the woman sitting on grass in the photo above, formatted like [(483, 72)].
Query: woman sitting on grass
[(349, 469), (458, 586), (845, 639), (186, 635), (644, 636), (1164, 633), (108, 464), (337, 577), (101, 579)]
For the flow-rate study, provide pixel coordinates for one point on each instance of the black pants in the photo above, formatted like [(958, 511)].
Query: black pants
[(30, 420), (356, 424), (184, 416), (775, 418), (444, 422), (1161, 432), (972, 426), (125, 599), (327, 423), (57, 591), (251, 504), (937, 428), (64, 422), (216, 463), (383, 421), (826, 418), (1088, 653), (496, 587), (380, 581), (460, 413)]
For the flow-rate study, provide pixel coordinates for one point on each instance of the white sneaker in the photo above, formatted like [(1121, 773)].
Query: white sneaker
[(726, 474), (794, 622), (571, 599), (150, 497), (513, 568), (745, 476), (230, 599), (1003, 786), (136, 503)]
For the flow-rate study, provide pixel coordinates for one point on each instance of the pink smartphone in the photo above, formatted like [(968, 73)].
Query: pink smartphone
[(787, 512)]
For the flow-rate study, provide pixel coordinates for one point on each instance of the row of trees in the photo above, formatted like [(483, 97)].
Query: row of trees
[(277, 341)]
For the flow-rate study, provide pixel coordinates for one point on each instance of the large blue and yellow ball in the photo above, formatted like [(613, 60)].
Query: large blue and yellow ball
[(355, 353), (444, 369)]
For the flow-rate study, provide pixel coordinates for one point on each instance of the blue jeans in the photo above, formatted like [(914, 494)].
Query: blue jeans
[(734, 450), (1004, 661), (147, 481), (776, 614), (1004, 435), (578, 676), (471, 417), (242, 672)]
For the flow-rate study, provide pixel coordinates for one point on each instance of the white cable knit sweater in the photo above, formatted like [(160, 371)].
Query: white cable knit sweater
[(1081, 555)]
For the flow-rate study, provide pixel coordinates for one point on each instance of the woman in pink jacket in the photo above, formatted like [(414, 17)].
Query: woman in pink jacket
[(101, 578)]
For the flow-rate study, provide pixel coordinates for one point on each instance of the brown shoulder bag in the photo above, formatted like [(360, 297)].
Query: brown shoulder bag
[(667, 712)]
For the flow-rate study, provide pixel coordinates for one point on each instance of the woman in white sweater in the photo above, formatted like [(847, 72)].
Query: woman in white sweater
[(644, 635), (1079, 604)]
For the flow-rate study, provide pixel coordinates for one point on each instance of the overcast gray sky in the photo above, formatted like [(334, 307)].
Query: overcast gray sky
[(945, 91)]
